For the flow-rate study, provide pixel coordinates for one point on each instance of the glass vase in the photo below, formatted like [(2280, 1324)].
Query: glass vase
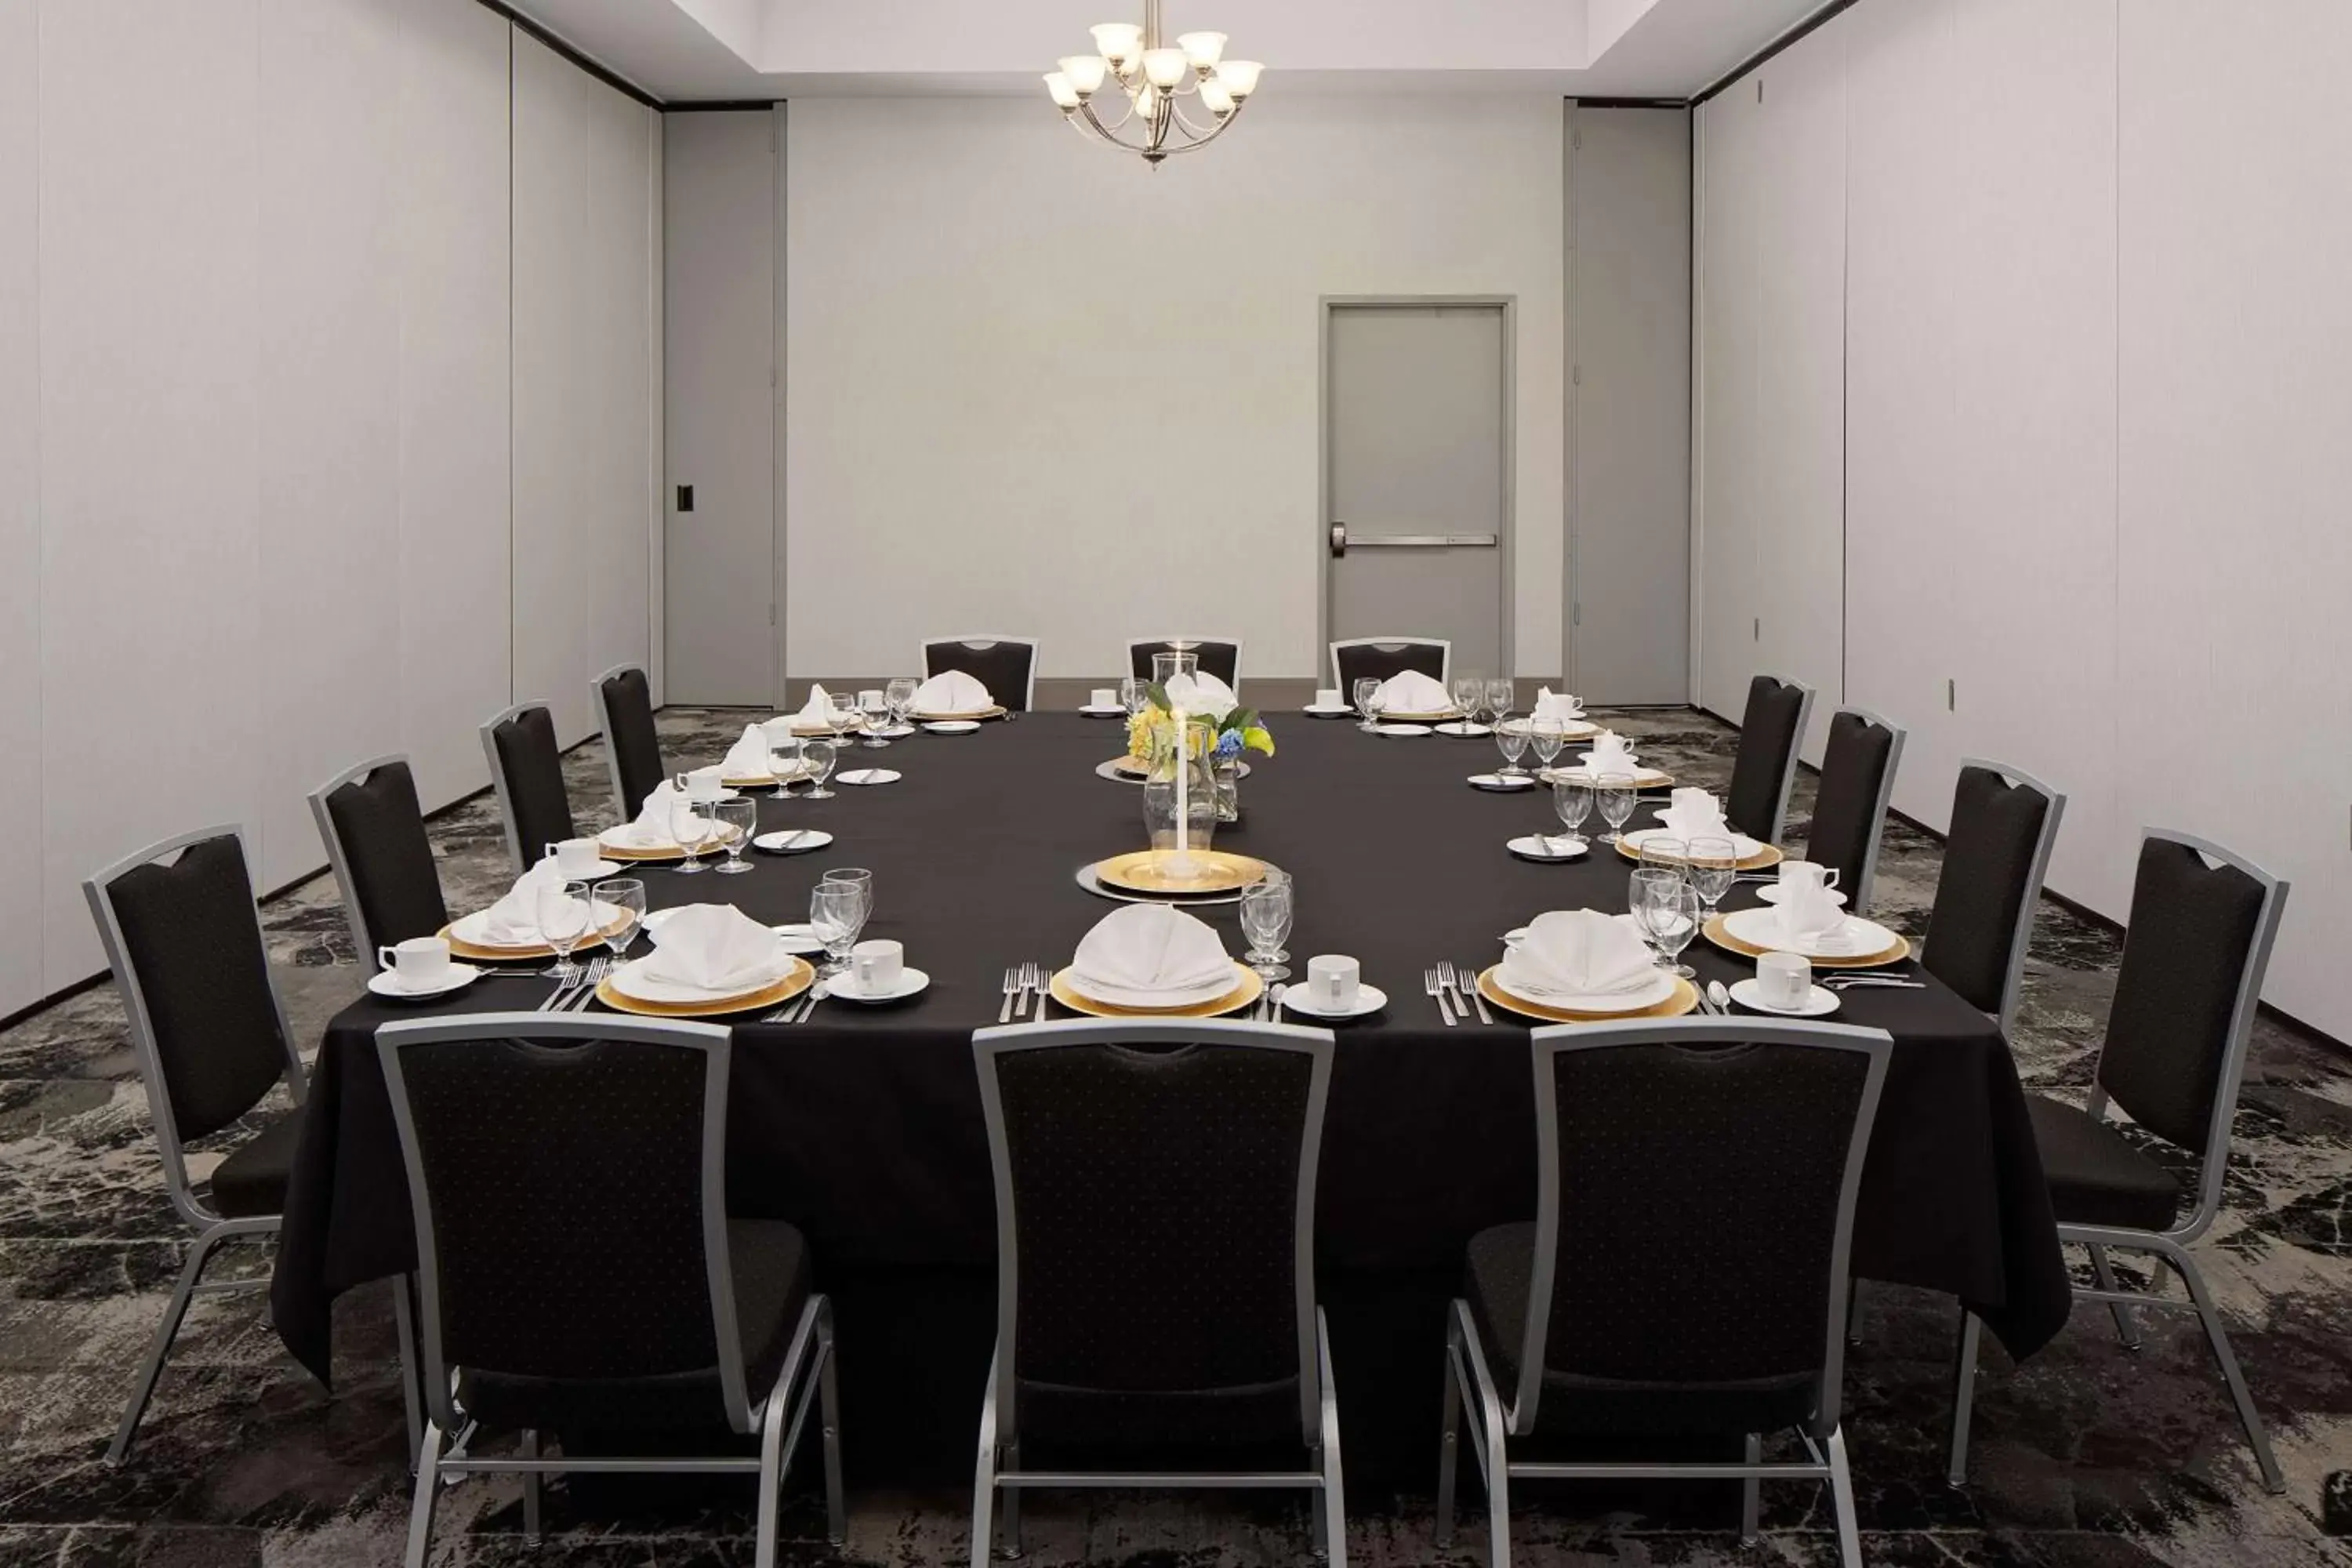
[(1190, 758), (1229, 789)]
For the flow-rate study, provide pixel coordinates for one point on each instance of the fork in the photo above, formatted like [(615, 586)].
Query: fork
[(598, 969), (1454, 979), (1037, 979), (1435, 987), (1015, 978)]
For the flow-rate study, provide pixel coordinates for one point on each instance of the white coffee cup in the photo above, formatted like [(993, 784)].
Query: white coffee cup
[(1332, 980), (878, 964), (419, 961), (1103, 696), (1807, 873), (576, 857), (1330, 699), (1785, 980), (702, 785)]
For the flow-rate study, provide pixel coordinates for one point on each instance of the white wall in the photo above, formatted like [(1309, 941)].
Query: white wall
[(1032, 384), (255, 421), (2092, 436)]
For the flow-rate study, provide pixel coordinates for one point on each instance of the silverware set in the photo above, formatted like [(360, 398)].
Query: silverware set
[(1022, 981), (798, 1009), (1269, 1007), (575, 994), (1455, 1001), (1867, 980)]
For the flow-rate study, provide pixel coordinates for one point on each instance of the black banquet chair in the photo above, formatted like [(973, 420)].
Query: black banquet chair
[(625, 713), (373, 828), (526, 771), (2202, 922), (1006, 665), (1155, 1255), (1771, 734), (1356, 658), (1663, 1291), (577, 1264), (185, 942), (1858, 763), (1220, 657), (2004, 824)]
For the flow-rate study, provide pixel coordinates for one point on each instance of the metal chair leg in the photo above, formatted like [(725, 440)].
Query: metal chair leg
[(1752, 1491), (771, 1477), (1010, 1514), (1964, 1397), (829, 1413), (983, 1479), (1849, 1528), (2125, 1328), (1331, 1508), (428, 1492), (165, 1331), (412, 1359), (531, 1491), (1318, 1528), (1449, 1447), (2260, 1439)]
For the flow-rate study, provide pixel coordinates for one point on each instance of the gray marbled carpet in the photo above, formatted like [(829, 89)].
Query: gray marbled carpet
[(2084, 1455)]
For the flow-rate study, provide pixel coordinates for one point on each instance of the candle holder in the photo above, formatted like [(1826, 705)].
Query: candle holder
[(1180, 799)]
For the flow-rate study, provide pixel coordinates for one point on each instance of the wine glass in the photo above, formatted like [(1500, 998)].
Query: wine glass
[(692, 830), (1366, 692), (625, 897), (783, 758), (736, 818), (1544, 735), (1659, 849), (1511, 741), (1669, 912), (1134, 694), (898, 697), (565, 917), (1267, 913), (1640, 893), (1713, 865), (1500, 695), (1469, 696), (1614, 794), (816, 759), (1572, 799), (859, 879), (834, 919)]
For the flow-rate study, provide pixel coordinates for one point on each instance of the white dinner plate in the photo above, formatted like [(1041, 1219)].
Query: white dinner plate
[(793, 841), (1749, 993), (1853, 937), (1742, 846), (1400, 729), (857, 776), (389, 985), (1369, 999), (602, 869), (1643, 778), (1464, 727), (911, 982), (1655, 990), (1314, 712), (796, 939), (1553, 849), (1500, 783), (1115, 711), (952, 726), (1771, 894), (469, 929), (631, 980), (1121, 996)]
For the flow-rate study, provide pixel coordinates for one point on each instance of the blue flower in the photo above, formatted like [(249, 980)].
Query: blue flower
[(1229, 744)]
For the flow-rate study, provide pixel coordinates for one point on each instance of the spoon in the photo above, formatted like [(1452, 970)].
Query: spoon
[(1720, 996)]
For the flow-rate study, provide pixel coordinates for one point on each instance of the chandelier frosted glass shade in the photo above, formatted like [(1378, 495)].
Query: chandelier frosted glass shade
[(1132, 93)]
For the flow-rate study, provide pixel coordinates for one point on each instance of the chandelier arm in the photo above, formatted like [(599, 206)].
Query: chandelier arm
[(1221, 127), (1109, 134), (1192, 132)]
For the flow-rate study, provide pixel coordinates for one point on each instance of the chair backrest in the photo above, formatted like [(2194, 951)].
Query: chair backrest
[(1858, 762), (625, 711), (527, 771), (1695, 1198), (2003, 825), (1353, 658), (1006, 665), (1771, 732), (1155, 1221), (206, 1025), (568, 1179), (1220, 657), (2203, 923), (373, 828)]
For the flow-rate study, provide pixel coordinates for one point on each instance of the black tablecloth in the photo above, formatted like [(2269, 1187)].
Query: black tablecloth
[(863, 1127)]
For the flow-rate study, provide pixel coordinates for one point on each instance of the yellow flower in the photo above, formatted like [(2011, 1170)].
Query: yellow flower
[(1256, 738)]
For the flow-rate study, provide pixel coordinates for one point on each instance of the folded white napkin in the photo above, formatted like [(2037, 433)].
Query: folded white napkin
[(1151, 954), (1412, 692), (819, 709), (1580, 952), (513, 921), (1561, 705), (654, 827), (747, 758), (1695, 814), (951, 691), (1611, 755), (716, 948), (1203, 694)]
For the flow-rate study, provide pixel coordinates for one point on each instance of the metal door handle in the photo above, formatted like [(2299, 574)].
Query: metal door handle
[(1340, 541)]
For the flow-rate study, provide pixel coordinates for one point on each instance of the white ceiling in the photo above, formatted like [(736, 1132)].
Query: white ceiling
[(684, 50)]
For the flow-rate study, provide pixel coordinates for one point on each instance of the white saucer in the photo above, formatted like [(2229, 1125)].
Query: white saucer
[(390, 987), (1749, 993), (1464, 727), (889, 732), (1533, 848), (1400, 729), (797, 939), (801, 841), (857, 776), (1770, 893), (952, 726), (601, 869), (1500, 784), (1115, 711), (845, 986), (1314, 712), (1369, 999)]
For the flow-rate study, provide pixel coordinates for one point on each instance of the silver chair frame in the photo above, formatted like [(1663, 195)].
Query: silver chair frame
[(1178, 643), (213, 1229), (1443, 644), (1469, 1379), (775, 1414), (1318, 1413), (1796, 754), (1868, 880), (339, 859), (522, 862), (976, 641), (2013, 986), (2168, 1246), (621, 812)]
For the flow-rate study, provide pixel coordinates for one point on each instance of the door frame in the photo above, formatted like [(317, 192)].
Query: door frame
[(1507, 649)]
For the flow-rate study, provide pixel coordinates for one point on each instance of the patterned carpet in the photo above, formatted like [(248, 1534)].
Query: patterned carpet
[(2086, 1455)]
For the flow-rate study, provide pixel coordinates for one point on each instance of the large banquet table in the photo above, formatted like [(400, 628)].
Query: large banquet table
[(863, 1126)]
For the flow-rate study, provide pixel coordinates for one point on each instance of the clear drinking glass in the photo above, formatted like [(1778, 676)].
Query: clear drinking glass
[(622, 901), (1670, 914), (1614, 794), (1544, 735), (737, 817), (817, 758), (692, 830), (1642, 891), (1469, 696), (1511, 741), (1365, 690), (1134, 694), (898, 697), (859, 879), (835, 919), (783, 758), (1500, 697), (1572, 799), (1713, 865), (1267, 913), (877, 718), (565, 917), (1671, 853)]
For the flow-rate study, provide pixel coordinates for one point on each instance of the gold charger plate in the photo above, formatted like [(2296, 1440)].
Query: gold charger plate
[(795, 981), (1233, 1001), (1133, 766), (1553, 775), (1768, 856), (1716, 932), (995, 712), (460, 948), (764, 781), (828, 731), (1384, 716), (1143, 871), (666, 851), (1684, 1000)]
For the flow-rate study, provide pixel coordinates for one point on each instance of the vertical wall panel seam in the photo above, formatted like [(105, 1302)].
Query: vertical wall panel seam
[(39, 770), (512, 456)]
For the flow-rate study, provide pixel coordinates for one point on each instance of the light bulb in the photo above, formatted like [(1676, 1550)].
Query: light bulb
[(1086, 72), (1213, 94), (1065, 95), (1147, 102), (1118, 42), (1165, 67), (1239, 77), (1202, 49)]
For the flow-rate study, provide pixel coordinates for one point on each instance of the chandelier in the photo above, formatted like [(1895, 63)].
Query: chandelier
[(1153, 80)]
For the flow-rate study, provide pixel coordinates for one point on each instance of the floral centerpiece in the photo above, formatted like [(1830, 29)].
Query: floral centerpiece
[(1220, 727)]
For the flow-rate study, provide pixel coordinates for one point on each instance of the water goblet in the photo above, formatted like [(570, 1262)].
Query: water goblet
[(817, 762), (1572, 799), (835, 919), (1670, 914), (1510, 740), (1714, 866), (1366, 691), (1134, 694), (1614, 794), (1267, 913), (1500, 695), (783, 758), (1544, 735), (860, 879), (693, 831), (565, 917), (1642, 891), (622, 900), (1672, 854), (1469, 696), (736, 818), (898, 697)]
